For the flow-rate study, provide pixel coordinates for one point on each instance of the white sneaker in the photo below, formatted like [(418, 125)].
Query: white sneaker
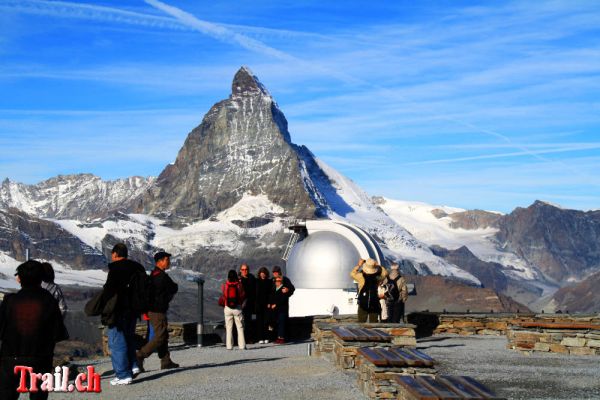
[(135, 371), (117, 381), (266, 341)]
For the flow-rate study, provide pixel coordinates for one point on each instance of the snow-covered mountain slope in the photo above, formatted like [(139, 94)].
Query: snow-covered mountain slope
[(348, 202), (64, 275), (421, 221), (81, 196), (219, 233)]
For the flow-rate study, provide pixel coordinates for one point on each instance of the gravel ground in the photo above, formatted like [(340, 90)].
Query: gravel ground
[(512, 374), (261, 372)]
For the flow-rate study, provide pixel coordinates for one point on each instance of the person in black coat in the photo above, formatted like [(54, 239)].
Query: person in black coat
[(30, 326), (264, 286), (163, 291), (121, 332), (249, 283), (279, 306)]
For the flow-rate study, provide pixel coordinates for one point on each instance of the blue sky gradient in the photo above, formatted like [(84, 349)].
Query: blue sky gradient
[(487, 105)]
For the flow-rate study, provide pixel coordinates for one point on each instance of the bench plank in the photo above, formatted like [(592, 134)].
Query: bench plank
[(373, 356), (343, 333), (392, 358), (427, 361), (358, 334), (385, 337), (415, 388), (410, 359), (458, 387), (436, 387)]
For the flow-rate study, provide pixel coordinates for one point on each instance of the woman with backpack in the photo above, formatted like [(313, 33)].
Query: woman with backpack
[(232, 299), (368, 280)]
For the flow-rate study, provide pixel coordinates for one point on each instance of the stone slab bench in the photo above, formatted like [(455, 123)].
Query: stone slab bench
[(323, 337), (441, 387), (377, 368), (575, 338), (348, 340)]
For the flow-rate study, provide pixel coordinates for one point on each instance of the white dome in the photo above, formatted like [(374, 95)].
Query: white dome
[(323, 260)]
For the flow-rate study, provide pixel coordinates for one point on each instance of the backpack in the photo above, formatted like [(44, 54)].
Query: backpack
[(232, 295), (368, 299), (140, 292), (392, 293)]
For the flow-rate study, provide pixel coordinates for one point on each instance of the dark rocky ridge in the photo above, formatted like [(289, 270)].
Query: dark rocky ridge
[(241, 146), (490, 274), (581, 297), (46, 240), (562, 243)]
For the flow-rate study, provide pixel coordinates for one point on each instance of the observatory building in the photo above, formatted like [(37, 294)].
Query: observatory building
[(320, 256)]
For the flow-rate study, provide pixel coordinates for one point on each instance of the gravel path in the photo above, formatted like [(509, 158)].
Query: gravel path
[(514, 375), (261, 372)]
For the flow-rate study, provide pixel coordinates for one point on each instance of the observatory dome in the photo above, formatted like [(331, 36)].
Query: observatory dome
[(323, 260)]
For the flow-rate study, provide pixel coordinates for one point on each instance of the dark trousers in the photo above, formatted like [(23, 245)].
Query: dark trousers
[(396, 312), (262, 325), (248, 325), (160, 340), (9, 382), (281, 321), (363, 316)]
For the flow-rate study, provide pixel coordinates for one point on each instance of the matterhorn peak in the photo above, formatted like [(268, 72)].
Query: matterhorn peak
[(245, 83)]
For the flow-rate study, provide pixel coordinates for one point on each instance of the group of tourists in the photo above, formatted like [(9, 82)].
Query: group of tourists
[(31, 320), (259, 306), (381, 295)]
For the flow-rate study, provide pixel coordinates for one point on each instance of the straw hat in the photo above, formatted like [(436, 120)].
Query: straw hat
[(370, 266)]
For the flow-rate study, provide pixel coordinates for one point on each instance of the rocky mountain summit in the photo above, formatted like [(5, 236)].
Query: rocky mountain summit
[(241, 146)]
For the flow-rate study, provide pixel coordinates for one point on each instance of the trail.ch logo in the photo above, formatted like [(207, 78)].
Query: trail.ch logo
[(58, 382)]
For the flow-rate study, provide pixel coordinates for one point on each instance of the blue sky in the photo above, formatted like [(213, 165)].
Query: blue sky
[(487, 105)]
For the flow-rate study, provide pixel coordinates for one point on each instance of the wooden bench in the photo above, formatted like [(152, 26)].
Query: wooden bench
[(396, 357), (355, 334), (377, 368), (442, 387), (348, 339)]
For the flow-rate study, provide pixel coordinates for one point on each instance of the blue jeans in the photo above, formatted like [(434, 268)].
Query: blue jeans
[(121, 341)]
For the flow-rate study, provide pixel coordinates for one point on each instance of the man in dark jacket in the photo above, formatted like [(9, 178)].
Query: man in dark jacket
[(279, 303), (288, 287), (30, 325), (163, 290), (249, 283), (121, 333)]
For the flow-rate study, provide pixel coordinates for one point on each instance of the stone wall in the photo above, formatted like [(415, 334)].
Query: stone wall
[(574, 339)]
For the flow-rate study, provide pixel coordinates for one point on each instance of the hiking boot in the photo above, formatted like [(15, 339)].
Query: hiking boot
[(167, 363), (140, 362)]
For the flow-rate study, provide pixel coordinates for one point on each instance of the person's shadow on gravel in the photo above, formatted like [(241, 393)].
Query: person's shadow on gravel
[(202, 366)]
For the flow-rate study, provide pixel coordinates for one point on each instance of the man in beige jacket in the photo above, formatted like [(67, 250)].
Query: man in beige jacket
[(396, 295), (368, 280)]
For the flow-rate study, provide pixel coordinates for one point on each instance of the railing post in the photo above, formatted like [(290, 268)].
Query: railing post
[(199, 308)]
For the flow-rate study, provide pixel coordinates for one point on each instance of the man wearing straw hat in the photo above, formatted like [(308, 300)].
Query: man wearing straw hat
[(368, 280)]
